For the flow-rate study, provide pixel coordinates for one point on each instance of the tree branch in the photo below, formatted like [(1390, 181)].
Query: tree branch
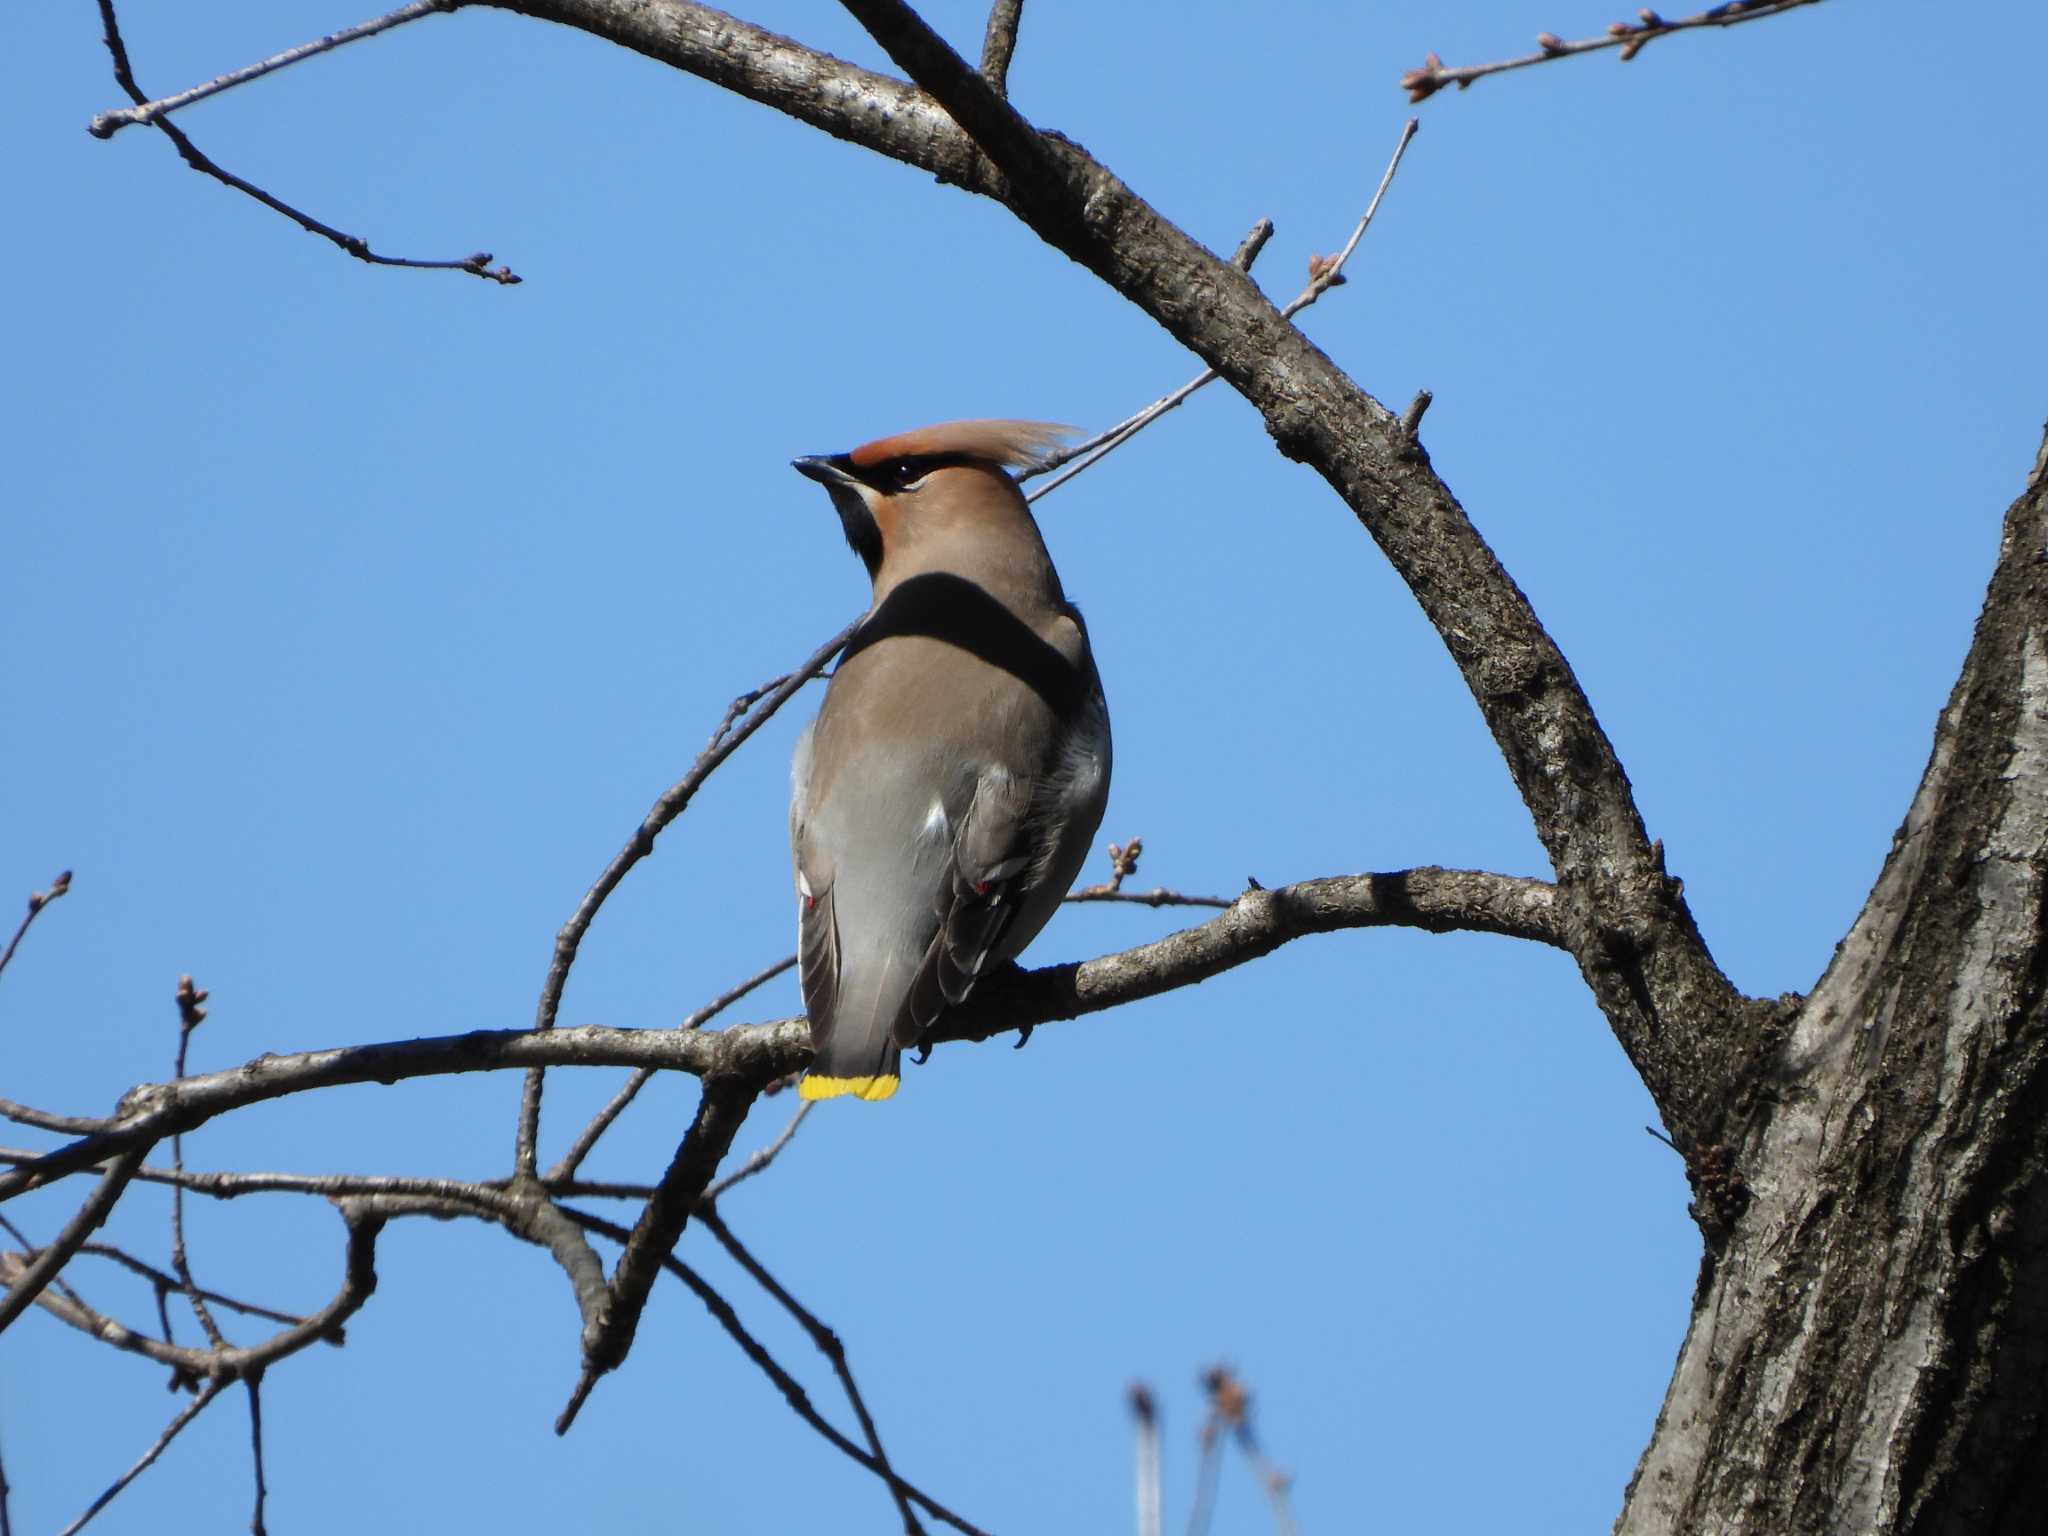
[(999, 44), (826, 1341), (609, 1336), (229, 1364), (37, 900), (565, 1169), (179, 1420), (478, 265), (1257, 923), (790, 1388), (751, 711), (30, 1277), (1689, 1033), (1631, 37), (107, 124)]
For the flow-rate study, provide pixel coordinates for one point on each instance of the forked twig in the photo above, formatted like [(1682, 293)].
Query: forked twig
[(478, 265), (107, 124)]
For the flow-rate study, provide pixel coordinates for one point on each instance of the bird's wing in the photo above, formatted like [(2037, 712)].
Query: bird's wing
[(977, 898)]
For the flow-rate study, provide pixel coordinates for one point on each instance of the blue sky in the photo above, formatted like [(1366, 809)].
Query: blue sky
[(350, 619)]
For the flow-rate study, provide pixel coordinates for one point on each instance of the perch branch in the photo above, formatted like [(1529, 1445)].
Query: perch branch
[(564, 1171), (1258, 922)]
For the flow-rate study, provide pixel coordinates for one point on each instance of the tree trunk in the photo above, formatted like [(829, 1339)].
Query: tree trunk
[(1868, 1349)]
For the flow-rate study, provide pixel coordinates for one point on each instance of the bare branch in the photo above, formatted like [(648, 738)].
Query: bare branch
[(759, 1161), (191, 1012), (1123, 863), (107, 124), (1629, 36), (1324, 273), (39, 1271), (564, 1171), (164, 1282), (179, 1420), (478, 265), (720, 1113), (254, 1382), (752, 711), (828, 1345), (1254, 241), (1256, 923), (37, 900), (999, 44), (1411, 419), (233, 1363), (69, 1125), (790, 1388)]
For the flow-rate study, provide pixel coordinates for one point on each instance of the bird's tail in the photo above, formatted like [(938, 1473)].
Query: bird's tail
[(850, 1065)]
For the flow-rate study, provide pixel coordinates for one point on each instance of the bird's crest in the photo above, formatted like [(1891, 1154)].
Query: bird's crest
[(1012, 444)]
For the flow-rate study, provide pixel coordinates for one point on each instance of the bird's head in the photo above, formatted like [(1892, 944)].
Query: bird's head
[(933, 480)]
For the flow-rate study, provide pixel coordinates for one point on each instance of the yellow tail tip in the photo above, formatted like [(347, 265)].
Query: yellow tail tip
[(873, 1089)]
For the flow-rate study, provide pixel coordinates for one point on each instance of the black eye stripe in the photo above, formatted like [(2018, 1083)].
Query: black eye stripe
[(896, 474)]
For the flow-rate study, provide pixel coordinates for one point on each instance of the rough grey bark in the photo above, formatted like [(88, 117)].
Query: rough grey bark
[(1869, 1351)]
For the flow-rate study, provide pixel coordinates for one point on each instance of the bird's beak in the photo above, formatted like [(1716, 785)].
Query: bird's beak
[(827, 472)]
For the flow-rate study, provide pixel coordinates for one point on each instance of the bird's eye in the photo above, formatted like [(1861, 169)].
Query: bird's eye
[(904, 473)]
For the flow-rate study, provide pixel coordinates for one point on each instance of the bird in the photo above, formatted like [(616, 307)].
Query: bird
[(948, 791)]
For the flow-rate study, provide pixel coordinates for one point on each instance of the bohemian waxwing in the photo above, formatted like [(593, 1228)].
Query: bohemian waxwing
[(947, 794)]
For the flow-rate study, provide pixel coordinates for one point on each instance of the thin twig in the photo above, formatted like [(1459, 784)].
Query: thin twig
[(37, 900), (44, 1267), (184, 1416), (42, 1120), (1325, 273), (999, 44), (254, 1382), (107, 124), (1253, 242), (164, 1282), (828, 1345), (791, 1389), (757, 709), (191, 1012), (6, 1509), (760, 1159), (564, 1170), (1411, 419), (1629, 36), (1123, 863), (478, 265)]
